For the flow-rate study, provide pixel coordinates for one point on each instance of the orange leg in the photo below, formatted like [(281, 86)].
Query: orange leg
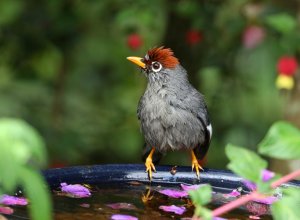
[(149, 165), (195, 164)]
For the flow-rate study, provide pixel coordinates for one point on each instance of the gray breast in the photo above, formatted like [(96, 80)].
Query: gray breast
[(166, 126)]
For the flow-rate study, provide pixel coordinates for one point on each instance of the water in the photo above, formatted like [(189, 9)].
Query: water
[(133, 197)]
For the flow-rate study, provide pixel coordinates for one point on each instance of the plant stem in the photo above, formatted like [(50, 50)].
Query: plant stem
[(234, 204), (286, 178)]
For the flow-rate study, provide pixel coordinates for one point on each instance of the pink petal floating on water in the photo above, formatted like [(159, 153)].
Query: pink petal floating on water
[(123, 217), (75, 190), (234, 193), (190, 187), (6, 210), (267, 175), (122, 205), (13, 200), (173, 193), (85, 205), (269, 200), (179, 210)]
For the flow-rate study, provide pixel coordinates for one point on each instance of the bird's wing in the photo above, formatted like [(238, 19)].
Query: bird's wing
[(193, 101), (203, 116), (201, 149)]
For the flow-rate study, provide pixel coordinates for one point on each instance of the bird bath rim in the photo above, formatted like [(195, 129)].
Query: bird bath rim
[(124, 173)]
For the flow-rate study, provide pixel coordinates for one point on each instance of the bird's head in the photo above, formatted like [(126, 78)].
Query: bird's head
[(157, 63)]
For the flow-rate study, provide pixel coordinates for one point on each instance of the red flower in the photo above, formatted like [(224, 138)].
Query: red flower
[(134, 41), (287, 65), (193, 37), (252, 36)]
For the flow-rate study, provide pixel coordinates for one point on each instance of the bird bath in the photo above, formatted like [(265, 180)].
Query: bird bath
[(124, 189)]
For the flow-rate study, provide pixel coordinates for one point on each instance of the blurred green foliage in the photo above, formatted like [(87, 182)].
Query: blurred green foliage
[(282, 141), (63, 69), (23, 153), (251, 167)]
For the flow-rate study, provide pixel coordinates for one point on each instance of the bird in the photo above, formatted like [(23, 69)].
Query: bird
[(173, 115)]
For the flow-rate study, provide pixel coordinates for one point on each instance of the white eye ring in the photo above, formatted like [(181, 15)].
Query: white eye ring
[(156, 66)]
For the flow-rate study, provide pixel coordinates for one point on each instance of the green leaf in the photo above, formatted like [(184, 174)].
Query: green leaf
[(282, 22), (37, 191), (9, 170), (282, 141), (21, 142), (245, 163), (202, 195), (288, 206)]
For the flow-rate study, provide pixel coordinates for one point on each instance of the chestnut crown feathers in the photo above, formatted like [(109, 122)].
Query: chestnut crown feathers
[(165, 56)]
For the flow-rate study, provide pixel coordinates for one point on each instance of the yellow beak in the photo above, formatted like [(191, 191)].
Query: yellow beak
[(138, 61)]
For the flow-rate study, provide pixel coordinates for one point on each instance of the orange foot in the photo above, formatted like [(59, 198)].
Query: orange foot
[(149, 165), (147, 197), (196, 165)]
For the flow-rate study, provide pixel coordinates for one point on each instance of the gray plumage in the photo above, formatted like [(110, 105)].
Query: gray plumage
[(173, 114)]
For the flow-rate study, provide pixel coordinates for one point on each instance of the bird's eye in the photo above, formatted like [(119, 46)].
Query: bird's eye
[(156, 66)]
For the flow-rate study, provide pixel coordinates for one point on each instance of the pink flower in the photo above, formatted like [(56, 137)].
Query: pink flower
[(287, 65), (123, 217), (134, 41), (173, 193), (267, 175), (252, 36), (75, 190), (6, 210), (179, 210), (193, 37), (13, 200)]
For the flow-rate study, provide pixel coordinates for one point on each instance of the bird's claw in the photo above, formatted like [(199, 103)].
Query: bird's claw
[(147, 197), (149, 168), (197, 167)]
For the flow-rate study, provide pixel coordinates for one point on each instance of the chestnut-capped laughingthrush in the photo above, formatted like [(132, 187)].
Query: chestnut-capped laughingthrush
[(172, 113)]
